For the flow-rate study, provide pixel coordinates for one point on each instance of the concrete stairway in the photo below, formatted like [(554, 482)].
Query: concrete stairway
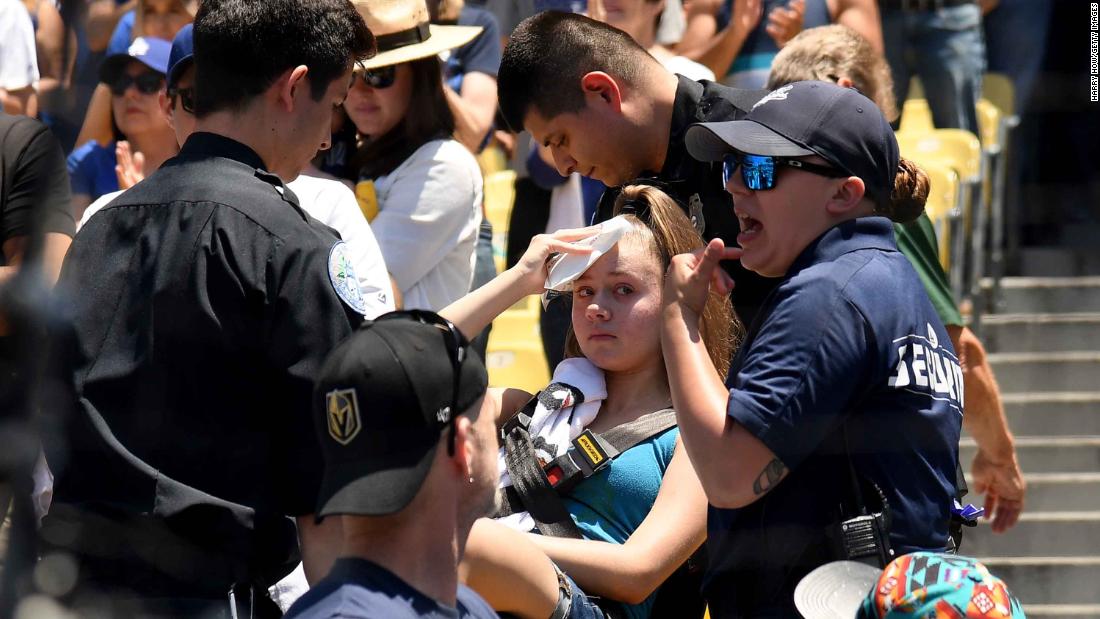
[(1044, 344)]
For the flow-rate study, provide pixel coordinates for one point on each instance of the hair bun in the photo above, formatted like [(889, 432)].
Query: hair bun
[(910, 193)]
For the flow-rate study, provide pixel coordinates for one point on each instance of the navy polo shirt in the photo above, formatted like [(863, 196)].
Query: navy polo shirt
[(847, 350)]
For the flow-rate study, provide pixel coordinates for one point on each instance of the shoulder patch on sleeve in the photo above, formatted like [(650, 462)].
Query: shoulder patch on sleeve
[(341, 273)]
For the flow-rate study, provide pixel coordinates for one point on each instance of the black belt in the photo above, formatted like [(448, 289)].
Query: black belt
[(922, 5)]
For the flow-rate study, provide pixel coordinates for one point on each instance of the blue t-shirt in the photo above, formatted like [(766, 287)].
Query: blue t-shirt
[(360, 589), (611, 505), (92, 169), (850, 336), (481, 55), (753, 62)]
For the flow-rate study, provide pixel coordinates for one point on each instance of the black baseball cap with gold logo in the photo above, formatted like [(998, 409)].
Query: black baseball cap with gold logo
[(383, 399)]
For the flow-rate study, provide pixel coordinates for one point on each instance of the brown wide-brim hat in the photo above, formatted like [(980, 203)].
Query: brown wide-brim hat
[(403, 33)]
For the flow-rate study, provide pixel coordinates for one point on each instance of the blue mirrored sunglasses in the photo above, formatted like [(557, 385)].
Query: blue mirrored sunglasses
[(758, 171)]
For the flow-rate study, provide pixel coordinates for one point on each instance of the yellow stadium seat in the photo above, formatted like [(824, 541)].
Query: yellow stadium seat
[(956, 148), (492, 159), (521, 366), (962, 152), (500, 194), (998, 88), (989, 125), (916, 116), (942, 206), (515, 356)]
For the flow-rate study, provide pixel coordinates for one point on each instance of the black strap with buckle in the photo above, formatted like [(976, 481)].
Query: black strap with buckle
[(538, 489)]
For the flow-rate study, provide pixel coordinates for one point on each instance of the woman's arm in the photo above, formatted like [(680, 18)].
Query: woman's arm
[(476, 310), (734, 466), (674, 528), (97, 120), (719, 54)]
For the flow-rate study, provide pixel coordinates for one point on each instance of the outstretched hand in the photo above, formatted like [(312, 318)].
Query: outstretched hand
[(131, 165), (1004, 488), (786, 22), (691, 276), (532, 267)]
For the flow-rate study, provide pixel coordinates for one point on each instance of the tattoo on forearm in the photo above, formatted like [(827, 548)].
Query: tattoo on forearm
[(769, 477)]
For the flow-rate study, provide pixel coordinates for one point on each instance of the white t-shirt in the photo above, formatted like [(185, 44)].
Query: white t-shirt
[(688, 68), (18, 58), (429, 210), (334, 205)]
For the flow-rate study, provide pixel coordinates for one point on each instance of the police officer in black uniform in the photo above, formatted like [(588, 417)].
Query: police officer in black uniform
[(544, 75), (204, 300)]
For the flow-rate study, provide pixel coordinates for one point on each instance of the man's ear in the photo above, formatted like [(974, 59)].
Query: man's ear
[(602, 89), (845, 82), (846, 197), (465, 449), (166, 106), (289, 84)]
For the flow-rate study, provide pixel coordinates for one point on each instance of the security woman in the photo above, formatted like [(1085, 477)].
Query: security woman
[(836, 434)]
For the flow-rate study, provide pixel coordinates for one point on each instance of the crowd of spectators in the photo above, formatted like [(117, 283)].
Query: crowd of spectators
[(275, 278)]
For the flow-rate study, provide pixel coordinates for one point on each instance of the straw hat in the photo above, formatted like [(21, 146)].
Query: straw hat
[(403, 34)]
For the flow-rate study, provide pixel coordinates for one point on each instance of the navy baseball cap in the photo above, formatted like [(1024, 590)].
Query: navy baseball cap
[(149, 51), (382, 401), (810, 118), (183, 54)]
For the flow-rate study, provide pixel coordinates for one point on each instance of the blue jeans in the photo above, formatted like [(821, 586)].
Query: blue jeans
[(945, 49)]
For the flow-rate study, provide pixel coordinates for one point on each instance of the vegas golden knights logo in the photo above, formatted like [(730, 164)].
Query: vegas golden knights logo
[(343, 415)]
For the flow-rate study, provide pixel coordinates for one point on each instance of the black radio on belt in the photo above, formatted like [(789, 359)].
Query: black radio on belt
[(864, 538)]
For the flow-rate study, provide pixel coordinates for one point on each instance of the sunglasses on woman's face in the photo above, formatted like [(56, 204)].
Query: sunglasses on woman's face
[(382, 77), (758, 171), (147, 83)]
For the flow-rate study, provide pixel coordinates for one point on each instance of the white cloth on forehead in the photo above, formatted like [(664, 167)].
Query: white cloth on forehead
[(568, 267), (558, 419)]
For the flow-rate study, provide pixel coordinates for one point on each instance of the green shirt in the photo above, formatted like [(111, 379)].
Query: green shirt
[(917, 240)]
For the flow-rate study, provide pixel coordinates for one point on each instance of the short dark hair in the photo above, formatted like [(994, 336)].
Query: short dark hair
[(243, 46), (427, 118), (549, 53)]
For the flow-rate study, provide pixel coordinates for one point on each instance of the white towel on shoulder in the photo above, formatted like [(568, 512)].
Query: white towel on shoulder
[(558, 419)]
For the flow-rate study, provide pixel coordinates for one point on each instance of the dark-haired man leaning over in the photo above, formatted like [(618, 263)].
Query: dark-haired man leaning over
[(410, 446), (204, 300), (609, 110)]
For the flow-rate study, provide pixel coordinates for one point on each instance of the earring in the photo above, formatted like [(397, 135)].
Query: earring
[(471, 479)]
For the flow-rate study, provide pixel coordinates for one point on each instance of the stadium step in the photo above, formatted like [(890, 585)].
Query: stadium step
[(1059, 261), (1046, 295), (1057, 492), (1069, 580), (1053, 413), (1028, 372), (1062, 611), (1061, 533), (1048, 454), (1006, 333)]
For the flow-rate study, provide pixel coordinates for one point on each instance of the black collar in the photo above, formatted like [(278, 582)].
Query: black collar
[(202, 143), (685, 111)]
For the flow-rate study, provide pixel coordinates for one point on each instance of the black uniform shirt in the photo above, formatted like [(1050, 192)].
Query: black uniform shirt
[(33, 181), (204, 302), (697, 185)]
